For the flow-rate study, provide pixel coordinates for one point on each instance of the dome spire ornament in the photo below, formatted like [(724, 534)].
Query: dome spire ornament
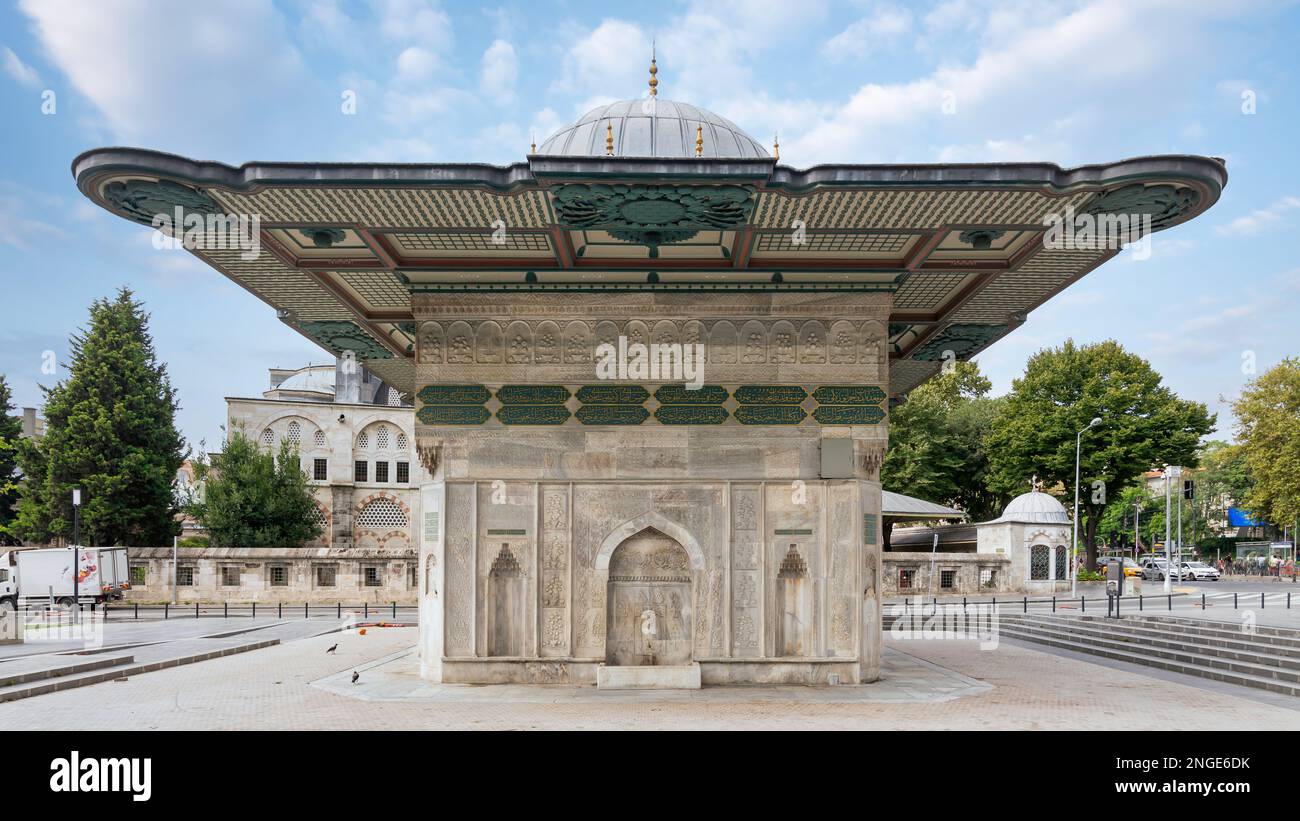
[(776, 146), (654, 69), (609, 139), (699, 140)]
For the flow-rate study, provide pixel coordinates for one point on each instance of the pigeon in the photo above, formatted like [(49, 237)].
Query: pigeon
[(333, 647), (355, 676)]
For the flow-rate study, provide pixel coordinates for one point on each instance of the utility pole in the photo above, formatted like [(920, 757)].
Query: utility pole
[(76, 552), (1073, 564), (1171, 472)]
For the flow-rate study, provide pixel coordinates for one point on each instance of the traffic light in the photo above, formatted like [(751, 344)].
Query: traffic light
[(1189, 489)]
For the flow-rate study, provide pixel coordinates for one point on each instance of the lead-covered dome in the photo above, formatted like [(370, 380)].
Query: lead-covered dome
[(1036, 507), (653, 127)]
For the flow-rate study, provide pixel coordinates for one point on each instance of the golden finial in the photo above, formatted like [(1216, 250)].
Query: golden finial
[(654, 69), (534, 148), (699, 140), (609, 139), (776, 146)]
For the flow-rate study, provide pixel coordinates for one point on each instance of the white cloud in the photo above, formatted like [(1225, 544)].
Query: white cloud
[(223, 62), (20, 71), (864, 37), (500, 70), (416, 65), (414, 21), (1257, 221)]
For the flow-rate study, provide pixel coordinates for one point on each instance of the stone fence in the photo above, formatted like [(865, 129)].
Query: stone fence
[(967, 574), (274, 574)]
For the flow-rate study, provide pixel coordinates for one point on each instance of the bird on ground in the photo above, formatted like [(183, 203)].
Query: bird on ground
[(333, 647), (355, 676)]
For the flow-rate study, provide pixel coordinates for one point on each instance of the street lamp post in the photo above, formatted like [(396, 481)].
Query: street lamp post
[(76, 552), (1074, 550), (1171, 472)]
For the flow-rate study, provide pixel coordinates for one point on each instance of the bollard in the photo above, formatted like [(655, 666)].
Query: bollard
[(196, 610), (1083, 605), (1261, 600), (1234, 601), (365, 607), (225, 610), (166, 606), (1026, 604), (306, 614), (279, 610), (1053, 604), (1202, 601), (339, 614), (394, 611), (254, 609), (137, 610)]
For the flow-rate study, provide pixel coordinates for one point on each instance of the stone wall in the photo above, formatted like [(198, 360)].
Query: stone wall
[(537, 463), (276, 575), (966, 568)]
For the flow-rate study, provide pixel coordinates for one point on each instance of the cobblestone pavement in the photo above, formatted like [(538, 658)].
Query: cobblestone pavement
[(271, 689)]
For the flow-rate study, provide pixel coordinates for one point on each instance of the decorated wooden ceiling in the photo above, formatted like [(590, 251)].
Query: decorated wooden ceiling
[(341, 248)]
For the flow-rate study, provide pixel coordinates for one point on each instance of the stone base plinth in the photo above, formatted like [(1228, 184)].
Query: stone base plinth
[(649, 677)]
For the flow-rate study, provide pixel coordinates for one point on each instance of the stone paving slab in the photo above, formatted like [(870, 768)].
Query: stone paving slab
[(904, 678)]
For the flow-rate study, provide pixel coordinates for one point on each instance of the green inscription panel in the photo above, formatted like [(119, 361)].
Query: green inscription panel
[(770, 414), (681, 395), (849, 414), (690, 415), (453, 394), (869, 528), (612, 414), (770, 394), (613, 394), (453, 415), (849, 395), (533, 414), (533, 394)]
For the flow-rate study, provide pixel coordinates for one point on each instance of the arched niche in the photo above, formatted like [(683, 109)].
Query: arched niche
[(649, 601)]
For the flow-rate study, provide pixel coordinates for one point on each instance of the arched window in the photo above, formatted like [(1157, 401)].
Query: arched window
[(1062, 566), (295, 433), (320, 439), (363, 441), (401, 442), (382, 514), (268, 438), (1040, 559), (381, 438)]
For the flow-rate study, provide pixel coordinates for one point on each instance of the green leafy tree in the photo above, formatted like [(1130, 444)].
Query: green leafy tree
[(1268, 427), (110, 430), (253, 498), (1143, 424), (10, 428), (936, 443)]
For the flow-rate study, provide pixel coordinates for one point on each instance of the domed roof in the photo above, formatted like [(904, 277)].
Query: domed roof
[(653, 127), (311, 379), (1035, 506)]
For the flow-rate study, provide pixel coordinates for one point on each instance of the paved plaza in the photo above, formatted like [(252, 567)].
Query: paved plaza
[(926, 684)]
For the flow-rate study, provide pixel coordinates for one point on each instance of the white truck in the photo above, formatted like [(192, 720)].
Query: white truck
[(34, 577)]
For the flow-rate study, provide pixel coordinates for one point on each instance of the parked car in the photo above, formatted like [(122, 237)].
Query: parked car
[(1131, 568), (1200, 571), (1154, 569)]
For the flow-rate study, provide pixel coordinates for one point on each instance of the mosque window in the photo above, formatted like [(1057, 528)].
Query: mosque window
[(381, 471), (403, 473), (361, 471), (381, 437), (947, 579), (320, 438), (1039, 561), (382, 514), (268, 438), (295, 433), (363, 441), (401, 441), (320, 469)]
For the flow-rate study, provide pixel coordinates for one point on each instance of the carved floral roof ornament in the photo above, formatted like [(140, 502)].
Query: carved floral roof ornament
[(654, 215), (143, 200), (963, 340), (341, 337), (1165, 204)]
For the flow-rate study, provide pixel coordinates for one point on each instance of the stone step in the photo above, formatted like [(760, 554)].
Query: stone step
[(27, 669), (1182, 661), (1263, 632), (67, 682), (1190, 634), (1186, 668), (1231, 649)]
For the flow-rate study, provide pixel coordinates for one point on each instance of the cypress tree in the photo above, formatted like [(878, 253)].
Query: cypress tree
[(110, 430)]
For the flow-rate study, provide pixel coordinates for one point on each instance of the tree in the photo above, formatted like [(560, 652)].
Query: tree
[(1143, 424), (936, 442), (1268, 427), (110, 430), (10, 428), (255, 498)]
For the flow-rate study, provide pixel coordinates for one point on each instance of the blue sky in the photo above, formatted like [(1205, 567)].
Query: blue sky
[(1066, 82)]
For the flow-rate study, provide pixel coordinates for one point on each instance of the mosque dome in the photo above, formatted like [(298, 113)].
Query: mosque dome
[(1037, 507), (653, 127), (313, 379)]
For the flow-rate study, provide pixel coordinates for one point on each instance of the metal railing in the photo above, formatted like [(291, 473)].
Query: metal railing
[(1022, 602), (280, 610)]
